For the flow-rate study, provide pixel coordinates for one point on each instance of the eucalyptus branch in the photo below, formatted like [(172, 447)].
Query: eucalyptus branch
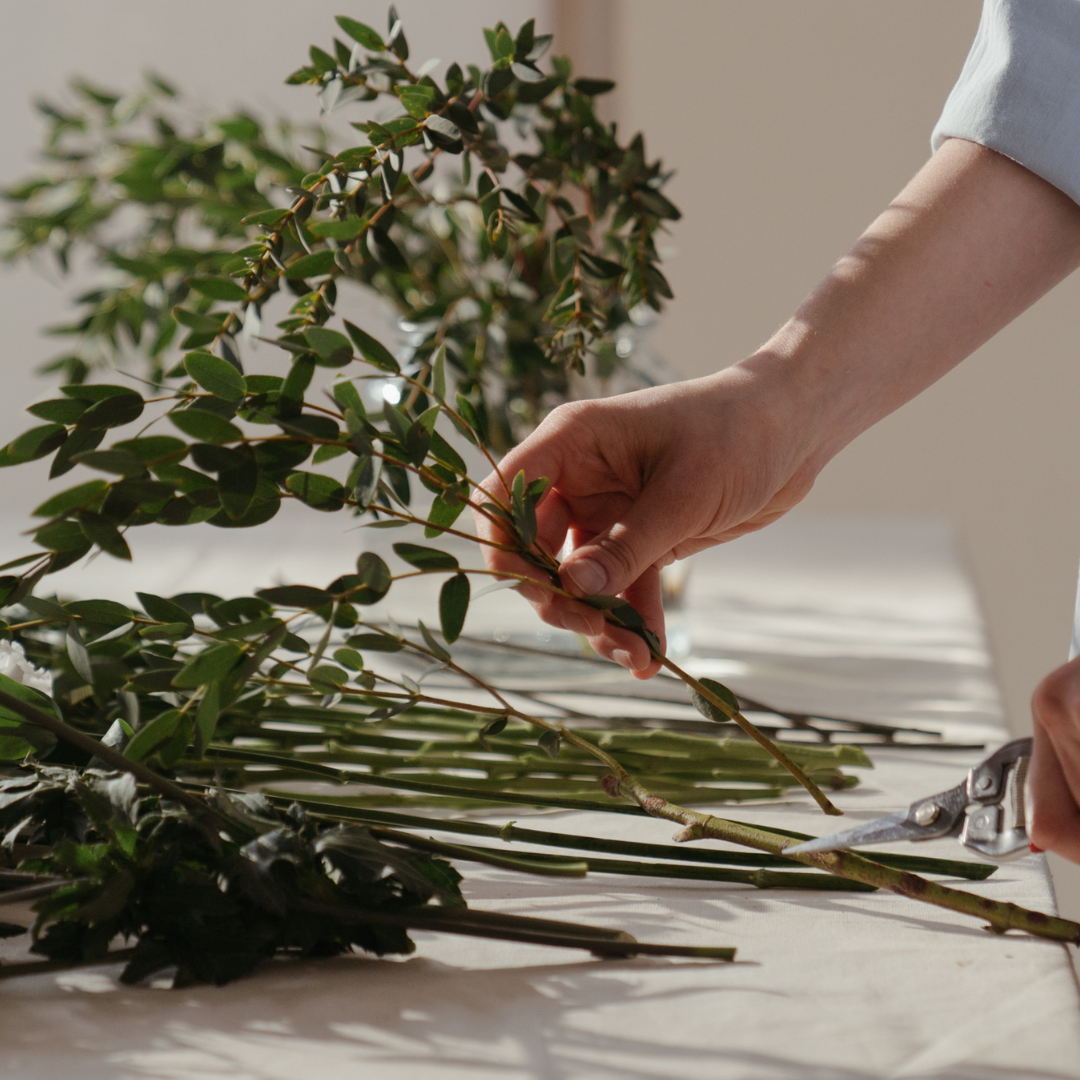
[(1000, 916)]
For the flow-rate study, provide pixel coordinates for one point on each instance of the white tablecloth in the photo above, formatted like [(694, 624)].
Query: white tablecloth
[(857, 619)]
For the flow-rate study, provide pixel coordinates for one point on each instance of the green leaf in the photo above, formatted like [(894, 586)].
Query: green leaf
[(296, 596), (95, 391), (442, 451), (205, 426), (373, 579), (416, 99), (526, 72), (453, 606), (328, 453), (206, 718), (18, 737), (114, 461), (72, 499), (348, 397), (59, 410), (314, 265), (215, 375), (429, 639), (218, 288), (604, 269), (349, 658), (104, 533), (442, 515), (338, 230), (108, 612), (550, 742), (418, 437), (623, 611), (376, 642), (246, 631), (504, 44), (526, 36), (361, 32), (374, 352), (237, 487), (321, 61), (208, 666), (264, 217), (524, 511), (333, 349), (33, 444), (318, 491), (492, 727), (396, 42), (263, 507), (155, 450), (66, 536), (363, 480), (384, 251), (425, 558), (662, 207), (152, 736), (327, 677), (593, 87), (707, 708), (162, 610), (45, 608), (114, 411), (438, 374), (77, 654)]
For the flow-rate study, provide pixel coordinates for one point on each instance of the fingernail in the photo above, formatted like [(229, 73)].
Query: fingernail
[(622, 658), (1035, 849), (576, 624), (588, 576)]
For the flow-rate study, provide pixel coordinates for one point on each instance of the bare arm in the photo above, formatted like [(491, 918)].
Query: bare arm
[(639, 480)]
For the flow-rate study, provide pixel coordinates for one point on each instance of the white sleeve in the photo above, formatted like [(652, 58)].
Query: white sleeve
[(1019, 90)]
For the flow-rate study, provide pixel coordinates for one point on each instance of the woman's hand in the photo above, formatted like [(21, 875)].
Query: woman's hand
[(645, 478), (640, 480), (1054, 776)]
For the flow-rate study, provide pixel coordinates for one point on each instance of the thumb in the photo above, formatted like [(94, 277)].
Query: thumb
[(615, 558)]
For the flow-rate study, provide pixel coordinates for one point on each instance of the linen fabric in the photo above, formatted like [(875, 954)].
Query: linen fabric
[(1019, 90)]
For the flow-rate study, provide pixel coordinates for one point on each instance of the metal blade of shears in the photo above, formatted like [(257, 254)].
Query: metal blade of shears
[(927, 819)]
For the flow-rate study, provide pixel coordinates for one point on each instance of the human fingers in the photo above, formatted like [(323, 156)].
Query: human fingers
[(1054, 775), (646, 532), (552, 523), (625, 647), (1054, 817)]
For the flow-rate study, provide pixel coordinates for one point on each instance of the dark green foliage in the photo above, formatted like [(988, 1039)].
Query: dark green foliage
[(571, 214), (211, 902)]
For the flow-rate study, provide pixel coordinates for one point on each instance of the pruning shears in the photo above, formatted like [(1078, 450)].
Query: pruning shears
[(986, 812)]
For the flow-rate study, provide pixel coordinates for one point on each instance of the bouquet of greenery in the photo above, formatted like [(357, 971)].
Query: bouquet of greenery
[(149, 750)]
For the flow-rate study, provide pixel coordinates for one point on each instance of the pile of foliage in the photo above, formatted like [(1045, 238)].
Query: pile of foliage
[(132, 735)]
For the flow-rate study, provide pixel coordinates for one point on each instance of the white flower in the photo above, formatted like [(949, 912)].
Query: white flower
[(14, 665)]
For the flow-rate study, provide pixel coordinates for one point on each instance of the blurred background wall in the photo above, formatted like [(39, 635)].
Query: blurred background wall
[(790, 124)]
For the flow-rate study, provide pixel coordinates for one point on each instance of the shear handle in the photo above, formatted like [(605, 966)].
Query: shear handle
[(986, 783)]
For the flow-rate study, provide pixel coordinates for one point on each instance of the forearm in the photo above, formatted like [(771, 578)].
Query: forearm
[(972, 241)]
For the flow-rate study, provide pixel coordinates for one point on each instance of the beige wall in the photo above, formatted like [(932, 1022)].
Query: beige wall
[(791, 125)]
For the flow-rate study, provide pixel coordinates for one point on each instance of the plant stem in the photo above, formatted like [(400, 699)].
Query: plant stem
[(561, 866), (597, 940), (1000, 916), (104, 753), (326, 807), (759, 737)]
